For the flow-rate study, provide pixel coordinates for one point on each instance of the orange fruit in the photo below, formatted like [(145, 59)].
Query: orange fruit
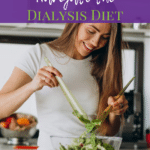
[(23, 121)]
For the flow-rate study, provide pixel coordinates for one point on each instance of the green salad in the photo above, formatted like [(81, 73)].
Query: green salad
[(87, 143), (88, 140)]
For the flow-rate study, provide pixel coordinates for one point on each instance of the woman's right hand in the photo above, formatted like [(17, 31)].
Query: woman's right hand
[(45, 77)]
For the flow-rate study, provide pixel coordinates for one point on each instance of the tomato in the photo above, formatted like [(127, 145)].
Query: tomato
[(8, 119), (81, 145), (4, 124)]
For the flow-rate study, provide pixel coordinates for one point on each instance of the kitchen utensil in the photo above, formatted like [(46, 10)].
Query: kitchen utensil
[(109, 108), (56, 140), (17, 136), (69, 96)]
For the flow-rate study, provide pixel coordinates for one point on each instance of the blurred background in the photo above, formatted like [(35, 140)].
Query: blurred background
[(17, 38)]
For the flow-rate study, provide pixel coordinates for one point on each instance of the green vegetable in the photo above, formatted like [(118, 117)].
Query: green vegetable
[(89, 125), (88, 143), (62, 147), (88, 139)]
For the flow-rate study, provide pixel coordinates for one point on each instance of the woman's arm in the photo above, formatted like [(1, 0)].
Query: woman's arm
[(15, 92), (20, 87)]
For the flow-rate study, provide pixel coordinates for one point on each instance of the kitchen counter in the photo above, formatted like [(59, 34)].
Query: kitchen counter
[(4, 146), (124, 146), (140, 145)]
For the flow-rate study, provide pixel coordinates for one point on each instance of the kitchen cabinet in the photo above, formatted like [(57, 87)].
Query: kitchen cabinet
[(51, 30)]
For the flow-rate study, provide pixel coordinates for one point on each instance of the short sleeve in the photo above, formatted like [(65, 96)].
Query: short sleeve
[(29, 61)]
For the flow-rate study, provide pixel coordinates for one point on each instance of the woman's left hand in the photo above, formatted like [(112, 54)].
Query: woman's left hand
[(119, 106)]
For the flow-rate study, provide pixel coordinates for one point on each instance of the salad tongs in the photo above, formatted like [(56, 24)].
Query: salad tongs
[(69, 96), (110, 107)]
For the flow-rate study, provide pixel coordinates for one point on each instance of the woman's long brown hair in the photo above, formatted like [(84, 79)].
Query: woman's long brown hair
[(107, 64)]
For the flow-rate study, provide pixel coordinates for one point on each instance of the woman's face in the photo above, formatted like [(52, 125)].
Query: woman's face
[(91, 37)]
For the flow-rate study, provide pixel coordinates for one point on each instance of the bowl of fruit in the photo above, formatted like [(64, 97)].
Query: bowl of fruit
[(18, 126), (85, 143)]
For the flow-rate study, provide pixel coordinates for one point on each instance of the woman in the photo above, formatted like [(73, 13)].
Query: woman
[(88, 55)]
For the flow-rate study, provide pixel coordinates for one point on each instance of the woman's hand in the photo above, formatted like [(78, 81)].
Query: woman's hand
[(45, 77), (119, 106)]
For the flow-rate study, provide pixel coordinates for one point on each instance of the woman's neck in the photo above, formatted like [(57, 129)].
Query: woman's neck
[(75, 55)]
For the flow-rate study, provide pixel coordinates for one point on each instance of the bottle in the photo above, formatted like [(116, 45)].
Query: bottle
[(136, 26), (148, 138)]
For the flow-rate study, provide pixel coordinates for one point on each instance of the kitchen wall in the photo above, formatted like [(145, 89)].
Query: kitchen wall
[(146, 88), (128, 67)]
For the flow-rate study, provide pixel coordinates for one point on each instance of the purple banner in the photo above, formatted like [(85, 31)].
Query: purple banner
[(74, 11)]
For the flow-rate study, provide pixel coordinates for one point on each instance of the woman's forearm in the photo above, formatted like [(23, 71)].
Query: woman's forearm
[(113, 124), (11, 101)]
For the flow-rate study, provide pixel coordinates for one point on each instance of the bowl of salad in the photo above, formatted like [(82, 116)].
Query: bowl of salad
[(85, 143)]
